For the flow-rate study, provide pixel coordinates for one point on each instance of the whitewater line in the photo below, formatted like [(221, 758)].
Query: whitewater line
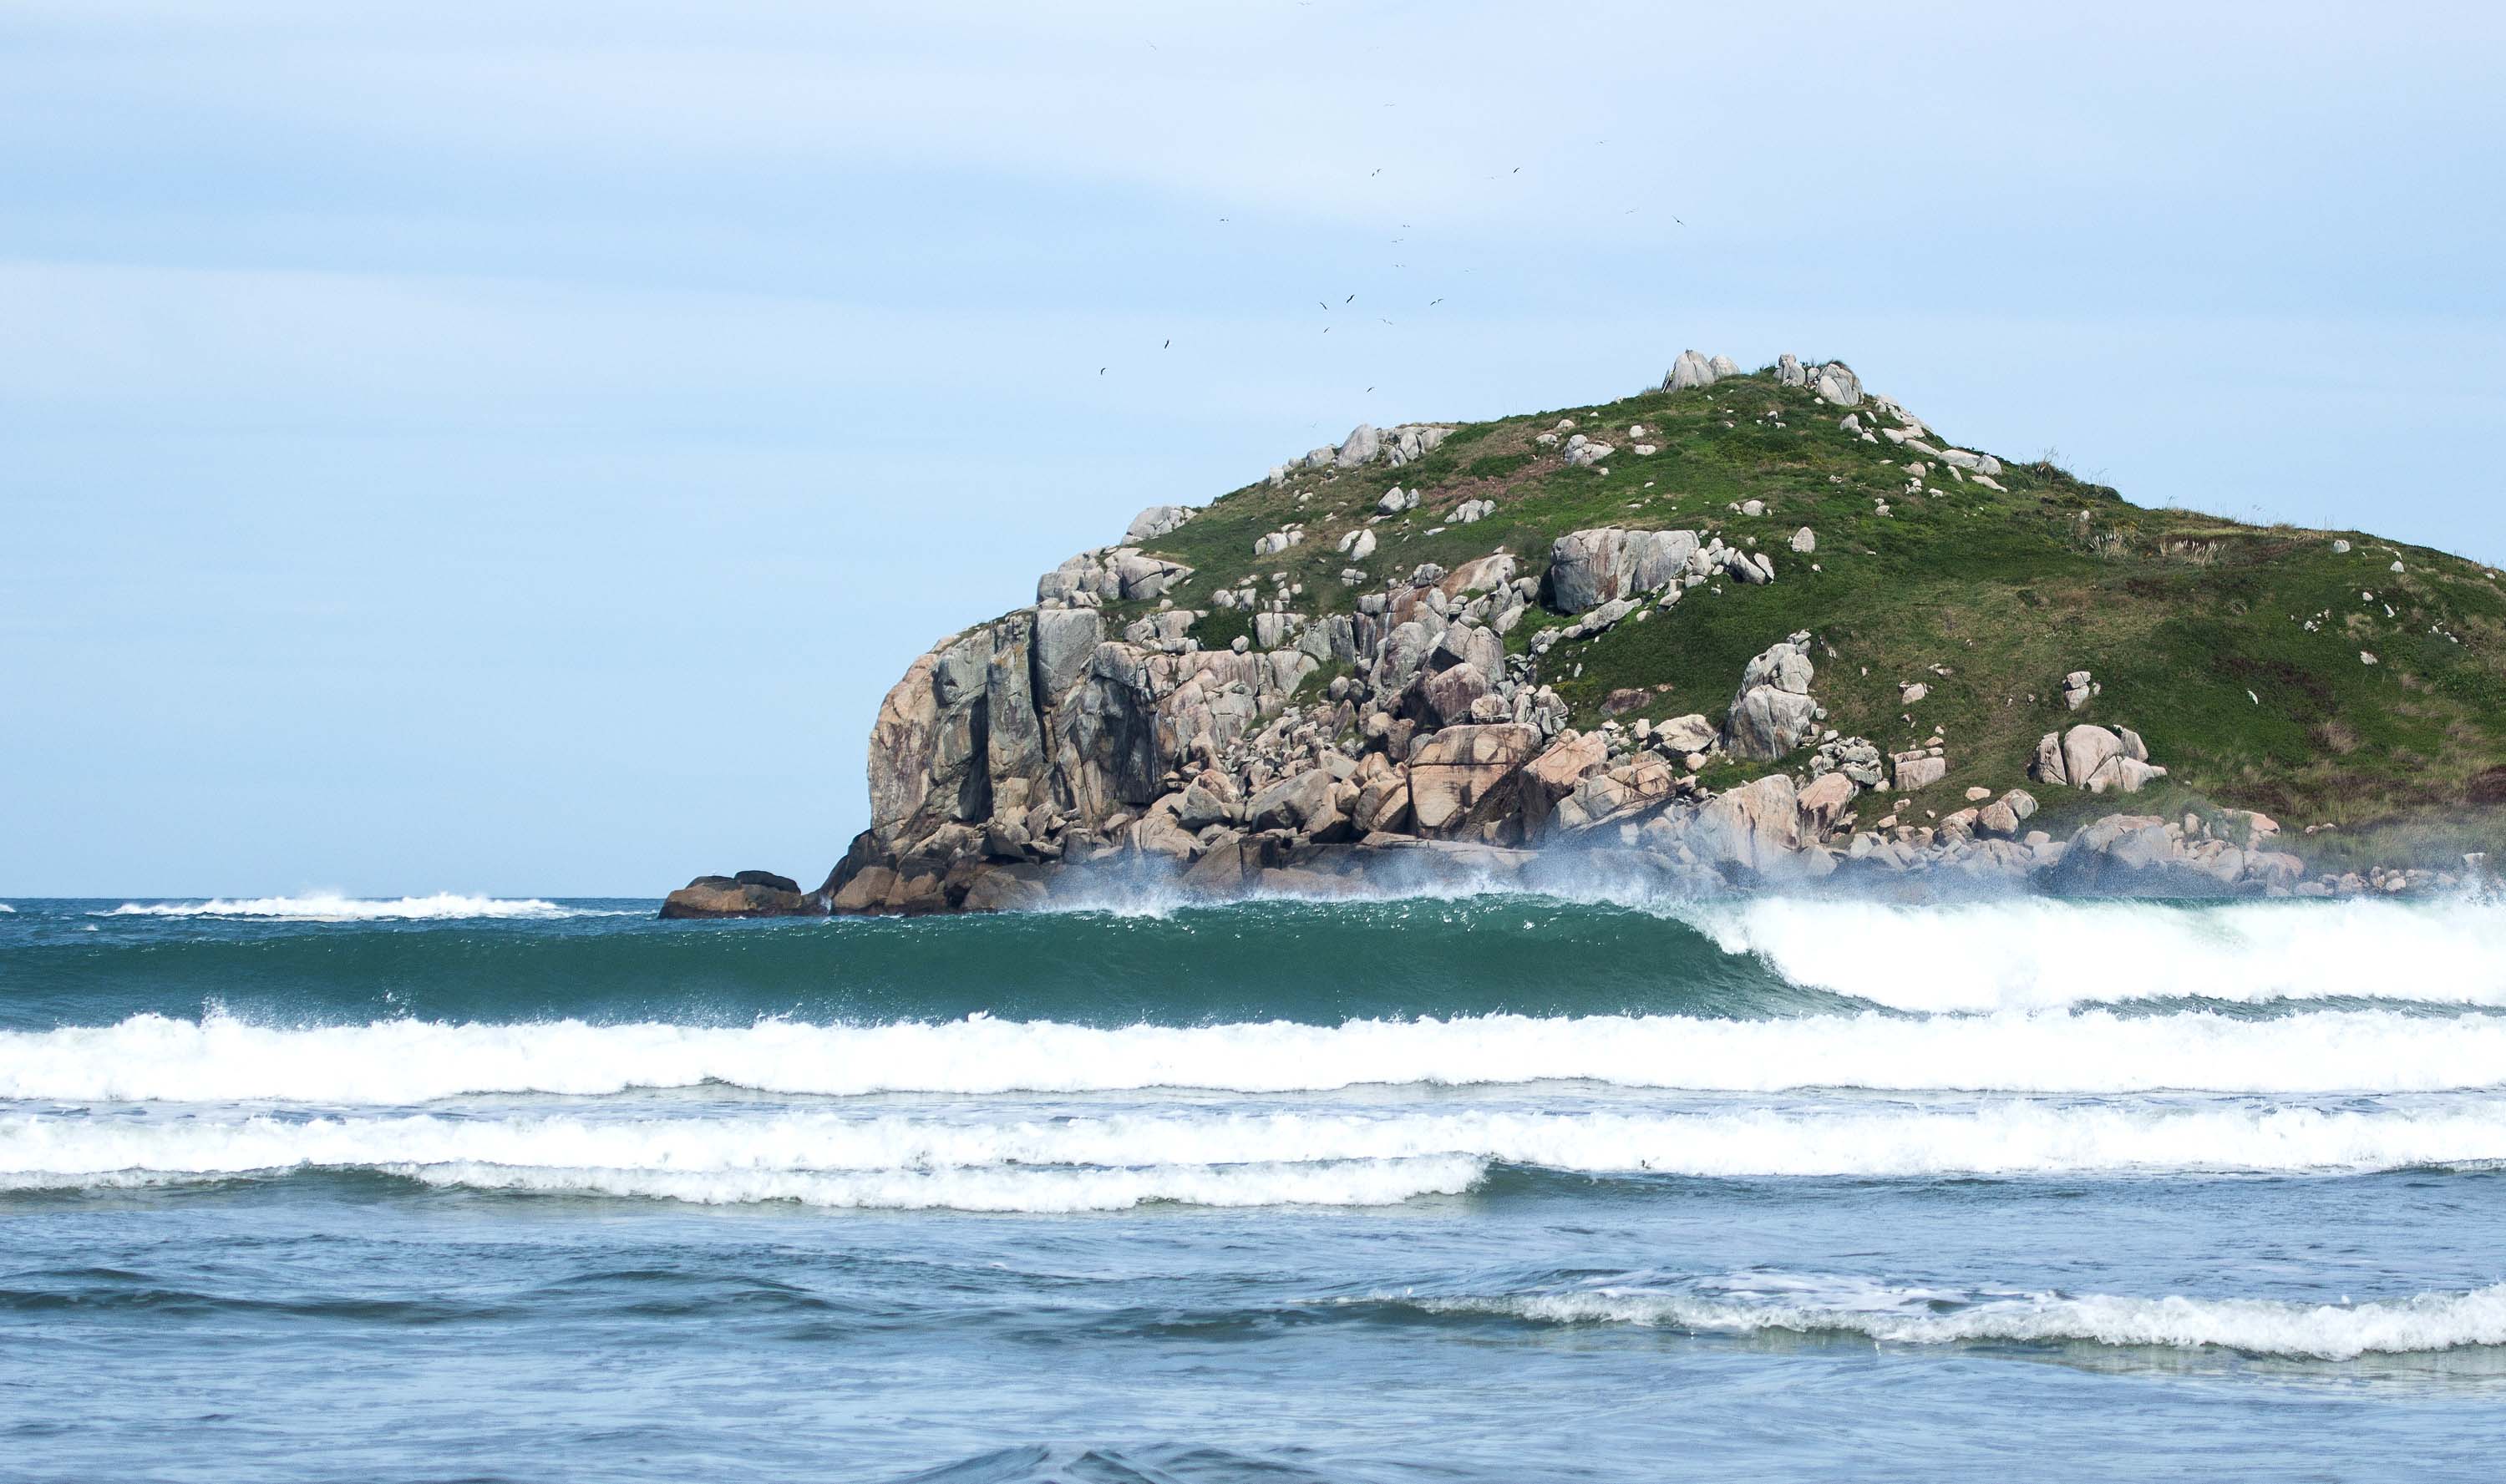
[(400, 1062), (2003, 1138), (2419, 1323)]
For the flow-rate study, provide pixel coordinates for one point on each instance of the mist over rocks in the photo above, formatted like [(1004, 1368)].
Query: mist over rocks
[(1488, 674)]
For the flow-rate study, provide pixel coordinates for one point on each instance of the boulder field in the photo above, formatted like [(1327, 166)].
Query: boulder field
[(1313, 724)]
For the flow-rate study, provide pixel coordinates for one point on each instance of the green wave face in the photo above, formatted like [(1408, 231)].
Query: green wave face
[(1259, 961)]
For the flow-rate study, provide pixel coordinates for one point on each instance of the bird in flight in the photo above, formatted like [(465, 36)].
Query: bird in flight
[(1433, 303), (1101, 370), (1352, 299), (1168, 346)]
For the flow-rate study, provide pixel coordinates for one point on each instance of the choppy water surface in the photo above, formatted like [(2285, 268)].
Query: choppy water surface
[(1495, 1188)]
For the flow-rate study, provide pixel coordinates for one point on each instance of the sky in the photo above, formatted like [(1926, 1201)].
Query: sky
[(501, 449)]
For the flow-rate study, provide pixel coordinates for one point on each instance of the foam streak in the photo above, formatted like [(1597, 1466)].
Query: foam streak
[(219, 1059)]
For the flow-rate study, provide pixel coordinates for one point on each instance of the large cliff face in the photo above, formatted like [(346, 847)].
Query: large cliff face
[(1739, 627), (1036, 721)]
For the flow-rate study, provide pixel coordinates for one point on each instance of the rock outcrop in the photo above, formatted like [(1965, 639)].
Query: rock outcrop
[(1589, 568), (2096, 759), (1380, 700), (1773, 712), (749, 894)]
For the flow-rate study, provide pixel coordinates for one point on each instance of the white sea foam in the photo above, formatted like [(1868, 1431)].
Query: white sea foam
[(1369, 1182), (814, 1161), (221, 1059), (2421, 1323), (1994, 1138), (326, 907), (2031, 953)]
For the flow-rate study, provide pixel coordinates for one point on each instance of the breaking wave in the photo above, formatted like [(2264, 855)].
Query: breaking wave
[(770, 1156), (2026, 953), (1366, 1182), (398, 1062), (1753, 1305), (328, 908)]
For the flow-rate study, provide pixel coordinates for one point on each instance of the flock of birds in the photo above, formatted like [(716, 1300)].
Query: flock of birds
[(1326, 305)]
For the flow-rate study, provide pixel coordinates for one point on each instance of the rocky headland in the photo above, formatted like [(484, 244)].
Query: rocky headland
[(1741, 630)]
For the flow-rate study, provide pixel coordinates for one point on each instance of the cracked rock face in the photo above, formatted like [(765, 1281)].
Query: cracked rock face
[(1589, 568)]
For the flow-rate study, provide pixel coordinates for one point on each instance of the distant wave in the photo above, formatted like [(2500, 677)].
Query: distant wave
[(399, 1062), (325, 907), (2421, 1323), (1361, 1159), (2030, 953), (1370, 1182), (998, 1189)]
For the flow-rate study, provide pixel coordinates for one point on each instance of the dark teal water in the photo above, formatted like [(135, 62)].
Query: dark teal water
[(1496, 1189)]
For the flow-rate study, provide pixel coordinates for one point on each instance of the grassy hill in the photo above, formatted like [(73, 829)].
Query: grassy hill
[(2234, 649)]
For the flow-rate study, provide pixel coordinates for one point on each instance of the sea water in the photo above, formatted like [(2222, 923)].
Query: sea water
[(1491, 1188)]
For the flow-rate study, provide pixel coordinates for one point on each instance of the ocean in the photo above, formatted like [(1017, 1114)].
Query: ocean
[(1490, 1188)]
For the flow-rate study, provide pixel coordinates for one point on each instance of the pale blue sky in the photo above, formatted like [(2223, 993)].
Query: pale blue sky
[(443, 449)]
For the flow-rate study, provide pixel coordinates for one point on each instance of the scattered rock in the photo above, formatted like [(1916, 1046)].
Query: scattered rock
[(1752, 828), (1464, 776), (1589, 568), (2096, 759), (1684, 734), (1362, 444), (1917, 770), (749, 894), (1155, 522), (1836, 383), (1773, 712), (1689, 372)]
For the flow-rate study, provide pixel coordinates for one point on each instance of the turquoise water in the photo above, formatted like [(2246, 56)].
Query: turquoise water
[(1496, 1187)]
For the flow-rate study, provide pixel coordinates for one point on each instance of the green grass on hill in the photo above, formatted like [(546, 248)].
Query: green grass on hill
[(2195, 625)]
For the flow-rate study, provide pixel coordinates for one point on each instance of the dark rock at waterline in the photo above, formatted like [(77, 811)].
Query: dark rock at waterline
[(750, 893)]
